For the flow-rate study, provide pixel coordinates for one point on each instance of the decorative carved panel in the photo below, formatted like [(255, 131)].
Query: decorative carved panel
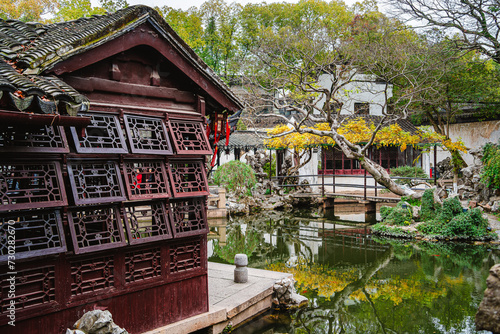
[(34, 287), (142, 265), (189, 217), (188, 178), (31, 185), (45, 138), (147, 221), (185, 257), (35, 233), (92, 275), (103, 135), (147, 135), (95, 229), (189, 137), (146, 179), (95, 182)]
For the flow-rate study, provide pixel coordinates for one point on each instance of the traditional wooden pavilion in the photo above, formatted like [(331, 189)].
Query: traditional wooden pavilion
[(103, 186)]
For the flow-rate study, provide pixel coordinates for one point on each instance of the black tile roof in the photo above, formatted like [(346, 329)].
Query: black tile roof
[(30, 50), (244, 140)]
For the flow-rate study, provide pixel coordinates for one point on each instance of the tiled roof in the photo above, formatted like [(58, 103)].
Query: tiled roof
[(244, 139), (271, 122), (28, 50)]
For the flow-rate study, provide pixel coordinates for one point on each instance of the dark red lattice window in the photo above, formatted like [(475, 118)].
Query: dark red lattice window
[(44, 138), (189, 217), (35, 233), (142, 265), (94, 275), (103, 135), (31, 185), (34, 287), (186, 256), (188, 178), (147, 135), (189, 137), (146, 179), (95, 182), (147, 221), (95, 229)]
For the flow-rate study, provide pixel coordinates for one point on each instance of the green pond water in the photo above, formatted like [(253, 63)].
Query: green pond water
[(356, 282)]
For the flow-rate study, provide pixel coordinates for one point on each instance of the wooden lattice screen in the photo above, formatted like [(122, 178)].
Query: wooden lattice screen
[(135, 219)]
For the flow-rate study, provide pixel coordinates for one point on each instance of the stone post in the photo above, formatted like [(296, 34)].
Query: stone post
[(241, 271)]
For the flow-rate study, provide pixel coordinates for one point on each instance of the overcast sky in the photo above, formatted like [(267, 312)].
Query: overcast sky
[(186, 4)]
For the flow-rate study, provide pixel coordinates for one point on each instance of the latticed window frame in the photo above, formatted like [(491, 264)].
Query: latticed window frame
[(180, 147), (74, 188), (175, 179), (115, 125), (16, 225), (201, 216), (126, 174), (167, 216), (62, 144), (62, 201), (133, 147), (118, 221)]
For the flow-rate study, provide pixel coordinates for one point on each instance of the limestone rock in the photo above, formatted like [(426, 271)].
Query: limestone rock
[(285, 295), (98, 322), (495, 207), (488, 315)]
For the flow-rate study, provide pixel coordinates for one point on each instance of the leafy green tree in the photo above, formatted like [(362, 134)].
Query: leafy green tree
[(113, 5), (220, 36), (26, 10), (75, 9), (187, 24)]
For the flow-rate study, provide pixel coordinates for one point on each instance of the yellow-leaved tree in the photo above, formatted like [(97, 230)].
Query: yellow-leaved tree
[(312, 67)]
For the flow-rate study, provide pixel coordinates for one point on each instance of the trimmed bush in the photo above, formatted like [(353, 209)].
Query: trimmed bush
[(451, 208), (470, 224), (236, 176), (428, 211), (396, 216)]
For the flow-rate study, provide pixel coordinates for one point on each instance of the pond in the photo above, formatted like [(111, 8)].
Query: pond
[(356, 282)]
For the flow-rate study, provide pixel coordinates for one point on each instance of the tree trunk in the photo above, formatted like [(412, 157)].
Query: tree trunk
[(382, 177), (374, 169)]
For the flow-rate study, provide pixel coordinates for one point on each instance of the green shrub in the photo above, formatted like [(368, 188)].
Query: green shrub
[(382, 229), (491, 162), (385, 211), (412, 201), (451, 208), (236, 176), (470, 224), (397, 215), (408, 171), (428, 211)]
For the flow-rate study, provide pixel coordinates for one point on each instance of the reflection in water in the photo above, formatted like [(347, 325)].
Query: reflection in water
[(357, 283)]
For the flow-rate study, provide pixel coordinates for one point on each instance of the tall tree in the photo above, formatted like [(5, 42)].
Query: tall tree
[(477, 21), (289, 61), (187, 24), (221, 24), (26, 10)]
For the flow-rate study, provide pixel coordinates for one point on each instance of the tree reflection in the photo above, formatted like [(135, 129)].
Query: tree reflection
[(357, 283)]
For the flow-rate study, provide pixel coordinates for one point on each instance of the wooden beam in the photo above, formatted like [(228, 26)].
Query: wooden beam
[(24, 118)]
